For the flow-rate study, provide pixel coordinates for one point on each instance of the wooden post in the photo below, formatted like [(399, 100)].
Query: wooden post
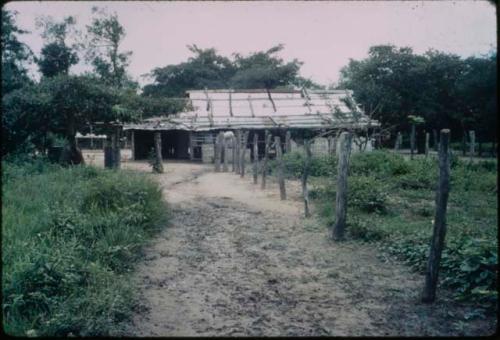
[(397, 145), (464, 143), (472, 137), (436, 142), (191, 146), (288, 141), (233, 150), (439, 233), (158, 167), (337, 232), (132, 143), (226, 153), (280, 168), (238, 143), (307, 162), (427, 138), (266, 157), (108, 154), (243, 153), (255, 157), (412, 141), (218, 151)]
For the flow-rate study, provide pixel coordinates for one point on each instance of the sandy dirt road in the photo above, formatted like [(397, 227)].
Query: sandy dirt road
[(237, 261)]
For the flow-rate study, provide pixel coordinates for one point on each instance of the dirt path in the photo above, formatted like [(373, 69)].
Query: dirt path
[(237, 261)]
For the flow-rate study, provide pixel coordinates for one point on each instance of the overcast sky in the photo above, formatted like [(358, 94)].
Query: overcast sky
[(324, 35)]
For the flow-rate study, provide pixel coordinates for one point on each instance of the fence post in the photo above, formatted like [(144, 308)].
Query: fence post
[(266, 157), (427, 137), (243, 153), (158, 166), (439, 233), (337, 232), (288, 141), (233, 151), (217, 152), (435, 137), (307, 162), (225, 146), (280, 168), (255, 157), (132, 143), (238, 142), (472, 137), (397, 145), (412, 141)]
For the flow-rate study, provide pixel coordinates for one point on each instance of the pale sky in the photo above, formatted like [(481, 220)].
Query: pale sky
[(324, 35)]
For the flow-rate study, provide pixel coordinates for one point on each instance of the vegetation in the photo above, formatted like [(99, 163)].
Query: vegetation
[(391, 200), (70, 238), (449, 92)]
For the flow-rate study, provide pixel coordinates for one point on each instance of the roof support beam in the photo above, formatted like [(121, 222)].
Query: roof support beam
[(209, 106)]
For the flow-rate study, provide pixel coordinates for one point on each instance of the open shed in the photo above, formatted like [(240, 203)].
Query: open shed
[(191, 134)]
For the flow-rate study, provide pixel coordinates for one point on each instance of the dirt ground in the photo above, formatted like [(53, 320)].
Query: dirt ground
[(237, 261)]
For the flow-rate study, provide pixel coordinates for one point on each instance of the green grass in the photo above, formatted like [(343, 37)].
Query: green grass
[(391, 201), (70, 237)]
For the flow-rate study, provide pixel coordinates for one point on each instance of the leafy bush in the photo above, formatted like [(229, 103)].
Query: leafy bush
[(70, 236), (323, 165), (367, 194), (379, 163)]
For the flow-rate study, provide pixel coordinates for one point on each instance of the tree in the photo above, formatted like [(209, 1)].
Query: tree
[(264, 70), (64, 105), (206, 69), (57, 56), (105, 35), (14, 54)]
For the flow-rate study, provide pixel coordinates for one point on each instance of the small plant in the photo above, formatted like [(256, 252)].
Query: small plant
[(153, 161)]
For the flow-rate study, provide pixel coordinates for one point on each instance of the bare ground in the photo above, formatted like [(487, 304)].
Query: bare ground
[(237, 261)]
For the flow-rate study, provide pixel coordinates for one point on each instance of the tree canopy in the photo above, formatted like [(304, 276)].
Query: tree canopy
[(208, 69), (446, 90)]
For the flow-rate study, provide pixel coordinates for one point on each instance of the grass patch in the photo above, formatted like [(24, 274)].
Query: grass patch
[(70, 238), (391, 200)]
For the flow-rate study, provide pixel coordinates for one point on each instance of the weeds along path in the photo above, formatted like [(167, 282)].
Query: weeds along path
[(238, 261)]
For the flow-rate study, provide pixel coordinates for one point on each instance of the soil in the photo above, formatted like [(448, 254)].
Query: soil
[(237, 261)]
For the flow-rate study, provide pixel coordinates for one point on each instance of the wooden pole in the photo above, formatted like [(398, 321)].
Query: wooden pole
[(288, 141), (439, 233), (266, 157), (472, 137), (280, 168), (427, 138), (397, 145), (233, 150), (255, 157), (217, 152), (132, 144), (158, 167), (108, 153), (307, 162), (225, 144), (243, 153), (436, 143), (191, 146), (337, 232), (412, 141), (238, 144)]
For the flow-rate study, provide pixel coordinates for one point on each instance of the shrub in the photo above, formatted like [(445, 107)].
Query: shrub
[(70, 236), (378, 163), (367, 193)]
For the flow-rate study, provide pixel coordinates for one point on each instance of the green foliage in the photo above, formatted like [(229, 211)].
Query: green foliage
[(105, 35), (207, 69), (449, 92), (469, 263), (15, 54), (367, 193), (68, 249), (323, 165), (379, 164)]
